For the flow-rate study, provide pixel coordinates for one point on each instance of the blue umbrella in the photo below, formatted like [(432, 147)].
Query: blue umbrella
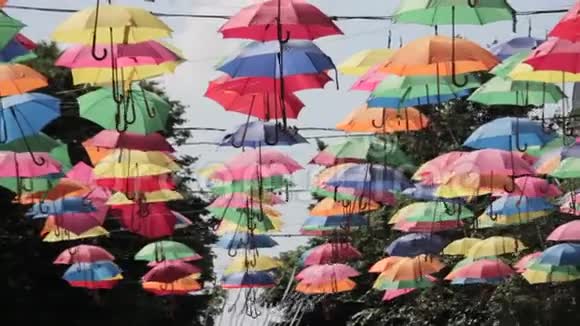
[(393, 102), (96, 271), (335, 221), (514, 46), (61, 206), (371, 178), (512, 205), (261, 60), (14, 51), (424, 192), (259, 133), (560, 255), (248, 280), (509, 134), (414, 244), (26, 114), (244, 240)]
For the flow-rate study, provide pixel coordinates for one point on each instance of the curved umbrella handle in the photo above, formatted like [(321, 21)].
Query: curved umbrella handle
[(94, 42), (232, 252), (453, 61), (472, 3), (151, 112), (120, 124), (131, 101), (384, 120), (241, 144), (449, 209), (42, 208), (4, 133), (518, 145), (276, 137), (511, 189)]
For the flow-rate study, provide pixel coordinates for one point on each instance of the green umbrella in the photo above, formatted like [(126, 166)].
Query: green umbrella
[(61, 154), (558, 142), (9, 27), (563, 269), (166, 250), (142, 112), (569, 168), (420, 88), (373, 149), (439, 12), (30, 184), (431, 212), (504, 91), (241, 217), (268, 184), (37, 143), (419, 283), (505, 68)]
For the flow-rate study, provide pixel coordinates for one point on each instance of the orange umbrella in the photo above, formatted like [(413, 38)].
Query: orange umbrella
[(182, 285), (384, 264), (361, 120), (412, 268), (18, 79), (330, 287), (96, 154), (433, 55), (65, 188), (329, 207)]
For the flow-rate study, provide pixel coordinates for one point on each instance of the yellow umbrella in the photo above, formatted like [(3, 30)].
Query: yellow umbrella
[(100, 76), (526, 72), (131, 156), (229, 227), (60, 234), (495, 246), (162, 195), (359, 63), (119, 170), (472, 185), (329, 207), (261, 263), (534, 276), (128, 25), (485, 221), (460, 247)]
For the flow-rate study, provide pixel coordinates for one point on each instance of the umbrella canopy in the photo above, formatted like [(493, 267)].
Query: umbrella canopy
[(414, 244), (15, 51), (62, 206), (370, 177), (56, 234), (506, 49), (495, 246), (403, 91), (150, 220), (522, 264), (248, 280), (166, 250), (260, 60), (432, 55), (260, 264), (259, 85), (321, 274), (263, 105), (428, 192), (556, 55), (144, 184), (10, 28), (361, 62), (83, 254), (393, 294), (150, 111), (330, 207), (567, 27), (21, 165), (512, 205), (408, 269), (329, 253), (298, 20), (26, 114), (566, 232), (384, 264), (254, 164), (170, 271), (127, 25), (482, 269), (489, 162), (515, 68), (370, 80), (431, 171), (431, 212), (181, 286), (504, 91), (237, 240), (508, 134), (366, 119), (421, 282), (457, 11), (96, 271), (561, 254), (363, 149), (532, 187), (39, 142), (102, 76), (344, 285), (243, 200), (460, 247), (322, 225), (540, 273), (111, 139), (259, 133), (19, 79)]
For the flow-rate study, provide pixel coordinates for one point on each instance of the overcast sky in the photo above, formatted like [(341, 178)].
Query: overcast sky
[(204, 47)]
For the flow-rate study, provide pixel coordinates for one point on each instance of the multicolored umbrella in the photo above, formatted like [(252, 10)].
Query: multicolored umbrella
[(166, 250), (484, 269), (453, 12), (317, 226), (327, 273), (170, 271), (522, 264), (255, 164), (255, 86), (83, 254), (504, 91), (331, 287), (371, 178), (112, 139), (532, 187), (515, 45), (409, 269), (258, 264), (237, 240), (365, 119), (512, 205), (515, 68), (248, 280), (495, 246), (329, 253), (460, 247), (431, 212), (361, 62), (541, 273), (331, 207), (566, 232), (555, 55), (86, 274), (258, 133), (561, 254)]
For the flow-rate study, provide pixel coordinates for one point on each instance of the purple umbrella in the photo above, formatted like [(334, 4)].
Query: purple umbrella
[(515, 45), (259, 133), (414, 244)]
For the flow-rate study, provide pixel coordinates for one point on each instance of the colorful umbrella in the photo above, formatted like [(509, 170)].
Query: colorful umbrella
[(361, 62), (258, 133), (414, 244), (102, 76), (369, 80), (532, 187), (365, 119), (408, 269), (561, 254), (504, 91), (431, 171), (330, 207), (296, 19), (515, 68), (329, 253), (259, 85), (321, 274), (495, 246), (460, 247), (539, 273), (504, 50), (95, 271), (482, 269), (522, 264), (260, 264), (319, 225), (331, 287), (555, 55), (19, 79), (453, 12), (181, 286), (10, 28), (421, 282), (39, 142), (384, 264), (245, 241), (431, 212), (566, 232), (166, 250), (111, 139), (567, 27), (512, 205), (170, 271), (243, 200), (248, 280), (371, 178), (26, 114), (83, 254), (56, 234), (151, 220), (255, 164), (144, 184)]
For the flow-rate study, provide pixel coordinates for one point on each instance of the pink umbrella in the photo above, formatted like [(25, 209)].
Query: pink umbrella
[(257, 85), (148, 183), (129, 140), (255, 163), (23, 165), (525, 261), (533, 187), (370, 80), (127, 55), (321, 274), (298, 19), (569, 26), (151, 220), (393, 294), (242, 200), (430, 173), (490, 162), (570, 204), (83, 254), (556, 55), (82, 173), (81, 222), (170, 271), (330, 253), (566, 232), (484, 269)]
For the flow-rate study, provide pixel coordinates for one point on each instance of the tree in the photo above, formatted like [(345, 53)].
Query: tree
[(34, 292)]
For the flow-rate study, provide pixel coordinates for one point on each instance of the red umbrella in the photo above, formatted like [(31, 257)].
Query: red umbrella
[(81, 222), (94, 285), (83, 254), (129, 140), (138, 184), (569, 26), (321, 274), (566, 232), (151, 220), (256, 85), (170, 271), (556, 55), (82, 173), (330, 253), (298, 19), (265, 106), (525, 261), (482, 269)]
